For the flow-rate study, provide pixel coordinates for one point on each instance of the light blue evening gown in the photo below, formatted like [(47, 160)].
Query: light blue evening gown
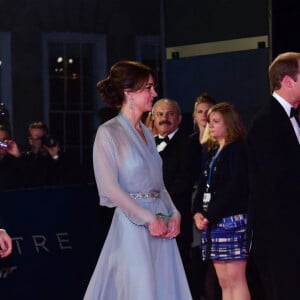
[(133, 265)]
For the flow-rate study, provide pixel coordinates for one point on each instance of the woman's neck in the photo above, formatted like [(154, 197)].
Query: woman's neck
[(201, 132), (132, 116), (221, 143)]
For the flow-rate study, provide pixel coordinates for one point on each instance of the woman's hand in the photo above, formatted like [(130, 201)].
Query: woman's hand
[(200, 221), (158, 228), (173, 227)]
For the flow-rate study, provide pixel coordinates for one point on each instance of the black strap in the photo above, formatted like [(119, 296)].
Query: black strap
[(294, 114)]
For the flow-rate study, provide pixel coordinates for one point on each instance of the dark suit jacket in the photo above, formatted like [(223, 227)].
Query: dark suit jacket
[(181, 164), (274, 156), (45, 171), (11, 172)]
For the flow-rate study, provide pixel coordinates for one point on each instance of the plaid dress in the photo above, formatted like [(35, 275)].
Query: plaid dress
[(226, 240)]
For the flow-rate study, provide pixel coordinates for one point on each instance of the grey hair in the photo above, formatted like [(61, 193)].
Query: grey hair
[(169, 101)]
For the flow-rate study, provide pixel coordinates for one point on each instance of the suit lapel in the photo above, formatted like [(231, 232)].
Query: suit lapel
[(279, 116)]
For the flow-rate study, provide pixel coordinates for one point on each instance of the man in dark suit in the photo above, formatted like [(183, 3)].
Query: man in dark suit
[(274, 157), (181, 162), (47, 162)]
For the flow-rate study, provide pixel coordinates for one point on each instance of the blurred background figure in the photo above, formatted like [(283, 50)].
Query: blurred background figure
[(203, 103), (41, 159), (204, 278), (48, 164), (149, 122), (180, 165), (40, 142), (11, 163)]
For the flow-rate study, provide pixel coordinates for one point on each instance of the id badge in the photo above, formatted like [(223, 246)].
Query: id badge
[(206, 200)]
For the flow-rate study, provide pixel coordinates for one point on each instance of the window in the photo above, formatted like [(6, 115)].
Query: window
[(74, 63)]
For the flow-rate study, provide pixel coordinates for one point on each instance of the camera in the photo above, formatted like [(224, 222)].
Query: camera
[(3, 145), (49, 141)]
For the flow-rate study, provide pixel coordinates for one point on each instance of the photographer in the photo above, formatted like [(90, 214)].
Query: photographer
[(40, 142), (41, 159), (11, 163), (46, 162)]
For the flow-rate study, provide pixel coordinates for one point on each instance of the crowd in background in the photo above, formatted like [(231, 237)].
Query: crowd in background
[(44, 163)]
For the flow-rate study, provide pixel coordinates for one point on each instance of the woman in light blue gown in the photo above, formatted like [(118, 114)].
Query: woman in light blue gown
[(139, 259)]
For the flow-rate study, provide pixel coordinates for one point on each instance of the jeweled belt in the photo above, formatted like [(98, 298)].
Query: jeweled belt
[(148, 195)]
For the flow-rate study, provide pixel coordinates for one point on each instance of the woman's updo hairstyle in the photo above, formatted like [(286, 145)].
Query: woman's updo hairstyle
[(130, 75)]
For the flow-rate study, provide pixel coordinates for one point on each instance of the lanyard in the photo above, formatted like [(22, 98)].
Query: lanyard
[(211, 167)]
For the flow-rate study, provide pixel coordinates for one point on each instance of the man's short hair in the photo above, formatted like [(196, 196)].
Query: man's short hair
[(38, 125)]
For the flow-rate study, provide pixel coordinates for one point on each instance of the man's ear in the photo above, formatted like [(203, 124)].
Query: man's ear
[(287, 81), (180, 118)]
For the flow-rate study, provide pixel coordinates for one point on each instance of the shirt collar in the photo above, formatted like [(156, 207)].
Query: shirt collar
[(169, 135), (287, 106)]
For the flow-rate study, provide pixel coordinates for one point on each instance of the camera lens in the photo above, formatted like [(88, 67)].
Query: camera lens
[(49, 141)]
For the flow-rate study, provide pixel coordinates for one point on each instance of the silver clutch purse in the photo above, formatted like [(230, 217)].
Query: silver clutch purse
[(163, 218)]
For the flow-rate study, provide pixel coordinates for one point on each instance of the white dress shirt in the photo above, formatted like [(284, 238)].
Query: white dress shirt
[(163, 144), (287, 107)]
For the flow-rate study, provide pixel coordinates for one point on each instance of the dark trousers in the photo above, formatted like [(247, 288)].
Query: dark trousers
[(274, 276), (184, 240), (254, 279)]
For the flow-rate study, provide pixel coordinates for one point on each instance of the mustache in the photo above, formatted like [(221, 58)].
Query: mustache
[(165, 122)]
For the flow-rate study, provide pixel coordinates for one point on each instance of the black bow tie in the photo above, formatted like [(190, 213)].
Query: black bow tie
[(294, 114), (159, 140)]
